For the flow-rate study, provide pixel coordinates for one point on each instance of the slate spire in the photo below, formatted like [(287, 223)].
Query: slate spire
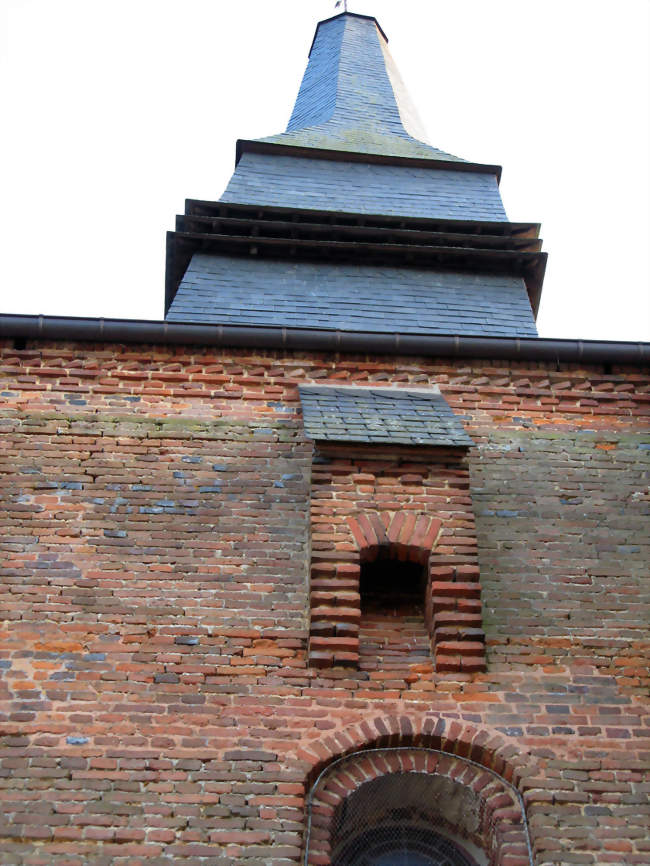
[(350, 221), (352, 97)]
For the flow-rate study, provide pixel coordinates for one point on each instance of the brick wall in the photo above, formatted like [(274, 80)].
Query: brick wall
[(157, 704)]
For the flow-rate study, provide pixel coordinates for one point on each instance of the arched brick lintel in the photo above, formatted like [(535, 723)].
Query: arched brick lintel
[(453, 612), (410, 536), (487, 748)]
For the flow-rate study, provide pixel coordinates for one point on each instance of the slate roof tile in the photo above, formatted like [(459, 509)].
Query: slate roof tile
[(395, 416), (274, 180), (352, 97), (349, 297)]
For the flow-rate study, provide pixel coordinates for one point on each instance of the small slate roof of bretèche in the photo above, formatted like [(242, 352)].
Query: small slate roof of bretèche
[(392, 416)]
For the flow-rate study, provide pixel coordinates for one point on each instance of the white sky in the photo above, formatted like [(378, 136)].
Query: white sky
[(115, 111)]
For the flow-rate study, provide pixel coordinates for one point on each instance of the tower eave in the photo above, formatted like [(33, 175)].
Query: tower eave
[(245, 145)]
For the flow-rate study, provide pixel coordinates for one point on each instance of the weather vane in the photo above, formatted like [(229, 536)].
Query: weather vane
[(343, 3)]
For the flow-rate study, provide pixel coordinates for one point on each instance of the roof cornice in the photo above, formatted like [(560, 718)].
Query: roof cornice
[(348, 15)]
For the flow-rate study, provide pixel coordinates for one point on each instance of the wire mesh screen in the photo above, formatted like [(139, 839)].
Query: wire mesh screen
[(403, 847), (414, 806), (404, 819)]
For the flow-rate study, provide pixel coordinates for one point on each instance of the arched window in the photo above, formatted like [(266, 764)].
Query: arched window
[(413, 806), (407, 570)]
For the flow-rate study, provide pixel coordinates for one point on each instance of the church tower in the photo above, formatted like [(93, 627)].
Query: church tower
[(341, 564), (349, 222)]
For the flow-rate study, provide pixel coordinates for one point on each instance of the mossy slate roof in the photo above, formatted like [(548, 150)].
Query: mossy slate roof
[(352, 100), (392, 416), (352, 97)]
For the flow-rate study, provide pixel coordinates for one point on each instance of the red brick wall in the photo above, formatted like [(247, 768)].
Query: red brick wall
[(155, 556)]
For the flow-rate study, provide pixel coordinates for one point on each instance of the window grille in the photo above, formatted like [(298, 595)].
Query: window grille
[(388, 822), (383, 807)]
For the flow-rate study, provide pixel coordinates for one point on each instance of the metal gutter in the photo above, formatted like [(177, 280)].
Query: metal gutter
[(321, 340)]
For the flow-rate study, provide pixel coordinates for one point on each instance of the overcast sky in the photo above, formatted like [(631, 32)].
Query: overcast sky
[(115, 111)]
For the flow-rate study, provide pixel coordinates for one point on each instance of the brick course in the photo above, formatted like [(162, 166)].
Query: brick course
[(157, 703)]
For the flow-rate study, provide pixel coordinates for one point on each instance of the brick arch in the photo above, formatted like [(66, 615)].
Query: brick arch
[(344, 761), (409, 536), (452, 603), (486, 747)]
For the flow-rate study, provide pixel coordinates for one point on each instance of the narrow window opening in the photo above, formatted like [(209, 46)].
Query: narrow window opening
[(392, 630)]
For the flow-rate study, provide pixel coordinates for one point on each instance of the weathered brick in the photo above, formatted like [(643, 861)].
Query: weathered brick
[(142, 740)]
